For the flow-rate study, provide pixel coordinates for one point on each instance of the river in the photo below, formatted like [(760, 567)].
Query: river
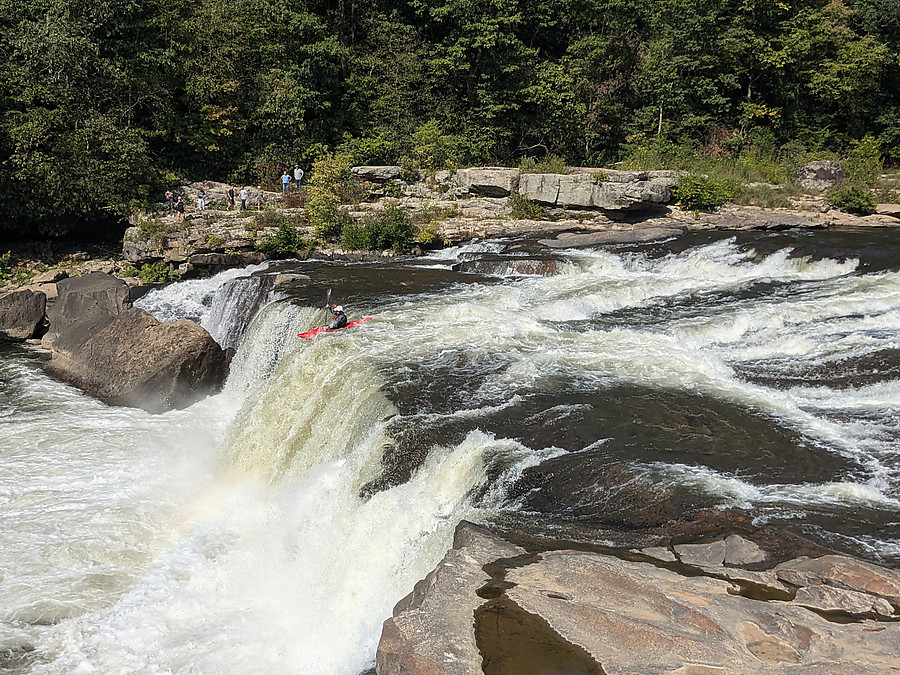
[(272, 527)]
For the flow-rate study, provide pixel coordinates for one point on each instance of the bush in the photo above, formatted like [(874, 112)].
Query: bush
[(156, 273), (391, 230), (852, 199), (549, 164), (702, 193), (523, 208), (864, 164), (286, 241), (331, 184)]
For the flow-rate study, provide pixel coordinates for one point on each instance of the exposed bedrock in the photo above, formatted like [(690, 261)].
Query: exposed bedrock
[(123, 355), (682, 610)]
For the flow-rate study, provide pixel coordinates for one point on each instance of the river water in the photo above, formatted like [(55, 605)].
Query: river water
[(751, 379)]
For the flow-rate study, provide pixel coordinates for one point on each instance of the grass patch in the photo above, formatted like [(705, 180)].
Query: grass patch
[(522, 208)]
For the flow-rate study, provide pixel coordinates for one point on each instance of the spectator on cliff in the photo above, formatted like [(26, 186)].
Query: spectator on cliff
[(229, 194), (170, 202), (201, 199), (243, 198), (285, 181), (260, 198), (298, 175), (179, 210)]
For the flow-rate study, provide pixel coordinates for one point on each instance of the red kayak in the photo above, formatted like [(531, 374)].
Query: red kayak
[(323, 329)]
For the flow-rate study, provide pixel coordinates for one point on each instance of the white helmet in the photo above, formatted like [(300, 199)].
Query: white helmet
[(338, 308)]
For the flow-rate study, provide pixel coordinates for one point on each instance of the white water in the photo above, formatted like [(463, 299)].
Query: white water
[(230, 537)]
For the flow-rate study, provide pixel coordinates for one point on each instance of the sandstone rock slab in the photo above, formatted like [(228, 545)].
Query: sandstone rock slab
[(702, 555), (842, 572), (431, 630), (377, 174), (740, 551)]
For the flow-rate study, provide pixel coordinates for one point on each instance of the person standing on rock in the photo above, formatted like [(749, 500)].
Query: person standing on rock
[(260, 198), (298, 175), (179, 210), (243, 198), (170, 202), (229, 194), (201, 199), (285, 181)]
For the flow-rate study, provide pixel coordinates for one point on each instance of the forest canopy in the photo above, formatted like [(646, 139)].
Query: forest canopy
[(105, 101)]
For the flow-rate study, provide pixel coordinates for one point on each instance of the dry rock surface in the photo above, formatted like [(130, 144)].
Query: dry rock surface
[(654, 614)]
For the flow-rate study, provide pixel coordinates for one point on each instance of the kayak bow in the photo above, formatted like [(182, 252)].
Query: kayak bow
[(324, 329)]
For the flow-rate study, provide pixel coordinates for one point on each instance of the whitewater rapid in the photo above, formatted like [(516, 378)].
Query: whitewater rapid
[(239, 535)]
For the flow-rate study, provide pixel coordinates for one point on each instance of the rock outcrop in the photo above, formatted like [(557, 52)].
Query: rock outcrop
[(617, 615), (123, 355), (21, 314), (616, 191), (820, 175), (377, 174), (489, 181)]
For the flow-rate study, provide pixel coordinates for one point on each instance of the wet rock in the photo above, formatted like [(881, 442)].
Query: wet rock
[(637, 235), (136, 360), (740, 551), (431, 629), (290, 279), (842, 572), (489, 181), (511, 267), (702, 555), (21, 314), (377, 174), (820, 175)]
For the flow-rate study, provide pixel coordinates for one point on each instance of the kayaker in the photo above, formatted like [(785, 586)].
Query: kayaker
[(339, 320)]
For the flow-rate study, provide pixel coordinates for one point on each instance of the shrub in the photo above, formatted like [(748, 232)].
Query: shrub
[(331, 185), (390, 230), (285, 241), (156, 273), (702, 193), (292, 200), (852, 199), (155, 230), (523, 208), (549, 164), (864, 164), (600, 176)]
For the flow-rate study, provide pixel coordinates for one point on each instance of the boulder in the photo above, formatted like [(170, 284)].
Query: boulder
[(136, 360), (702, 555), (50, 277), (489, 181), (430, 630), (21, 314), (377, 174), (821, 175), (83, 307), (828, 599)]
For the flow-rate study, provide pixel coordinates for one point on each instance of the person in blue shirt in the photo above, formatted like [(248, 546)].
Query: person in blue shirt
[(285, 181)]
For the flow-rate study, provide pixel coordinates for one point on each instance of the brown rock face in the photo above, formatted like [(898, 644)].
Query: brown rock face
[(138, 361), (21, 314), (124, 356)]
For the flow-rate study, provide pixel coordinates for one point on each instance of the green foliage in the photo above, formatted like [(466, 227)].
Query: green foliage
[(106, 104), (600, 177), (155, 229), (6, 266), (213, 240), (156, 273), (852, 199), (286, 241), (522, 208), (864, 164), (702, 193), (548, 164), (390, 230)]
